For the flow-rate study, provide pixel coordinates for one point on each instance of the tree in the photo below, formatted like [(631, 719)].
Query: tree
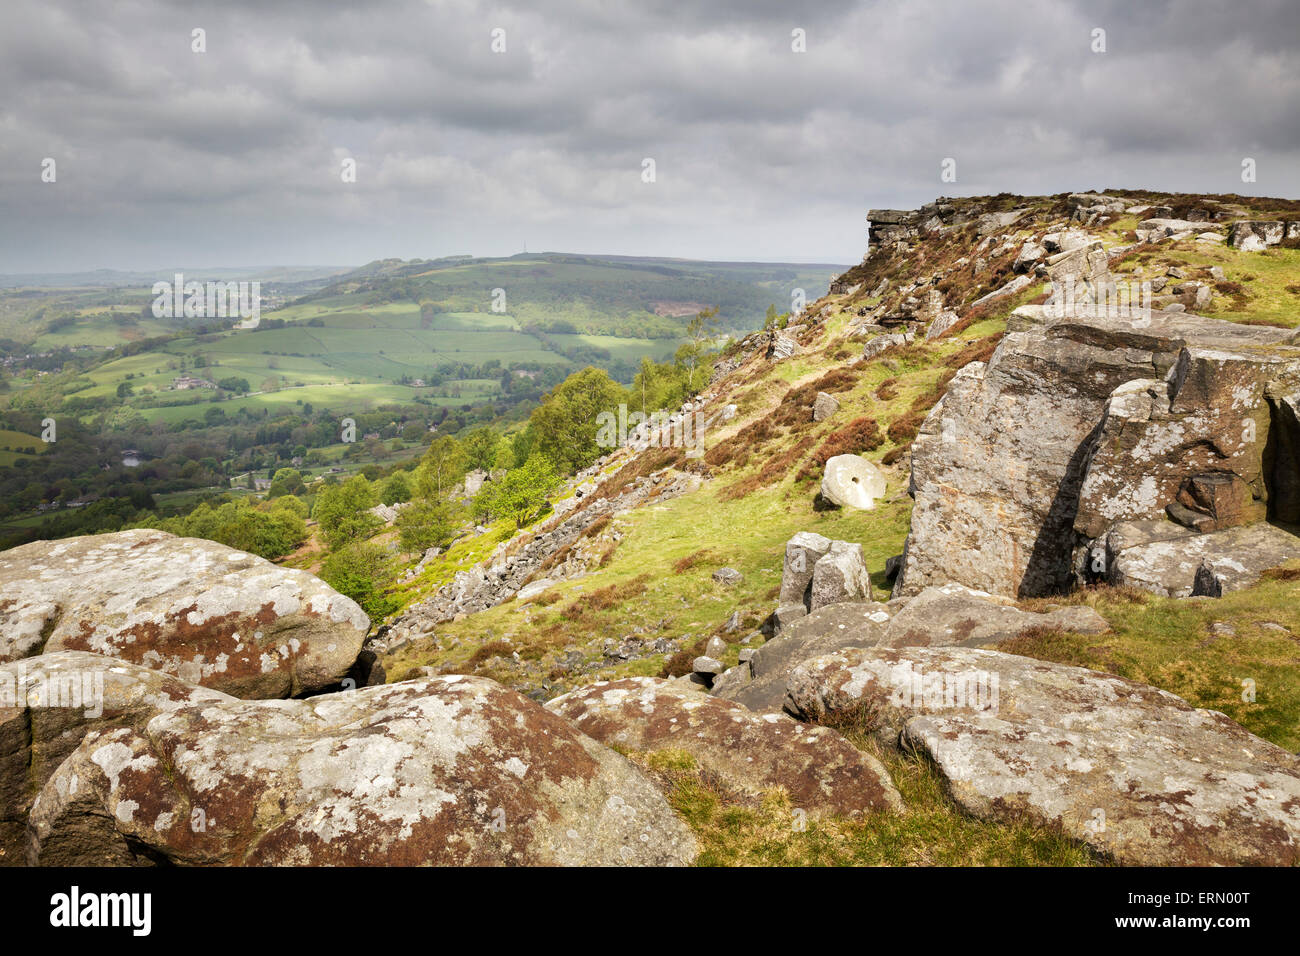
[(442, 465), (343, 511), (124, 389), (481, 448), (234, 384), (396, 487), (521, 494), (700, 331), (287, 481), (565, 423), (361, 570), (424, 524)]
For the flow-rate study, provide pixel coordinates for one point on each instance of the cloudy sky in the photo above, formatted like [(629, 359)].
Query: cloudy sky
[(234, 156)]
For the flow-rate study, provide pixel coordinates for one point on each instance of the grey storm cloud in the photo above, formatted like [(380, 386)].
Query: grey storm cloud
[(233, 156)]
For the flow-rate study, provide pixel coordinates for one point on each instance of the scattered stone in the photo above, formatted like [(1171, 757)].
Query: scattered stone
[(715, 647), (728, 576), (802, 552), (707, 666), (824, 407), (840, 576)]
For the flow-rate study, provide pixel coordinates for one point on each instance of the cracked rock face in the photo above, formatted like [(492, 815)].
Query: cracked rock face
[(447, 771), (1138, 774), (49, 703), (184, 606), (1017, 452), (750, 752)]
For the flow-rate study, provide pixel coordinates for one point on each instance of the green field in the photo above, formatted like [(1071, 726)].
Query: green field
[(16, 445)]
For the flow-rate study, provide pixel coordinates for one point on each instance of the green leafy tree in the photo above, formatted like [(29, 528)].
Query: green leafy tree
[(692, 354), (521, 495), (443, 464), (343, 511), (427, 523), (287, 481), (565, 423), (482, 446), (362, 570), (234, 384), (396, 487)]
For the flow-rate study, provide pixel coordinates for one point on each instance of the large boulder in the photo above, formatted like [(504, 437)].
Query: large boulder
[(185, 606), (1255, 235), (1173, 561), (851, 481), (822, 772), (759, 683), (802, 552), (1138, 774), (49, 703), (447, 771), (840, 575), (951, 614), (999, 464), (1208, 416)]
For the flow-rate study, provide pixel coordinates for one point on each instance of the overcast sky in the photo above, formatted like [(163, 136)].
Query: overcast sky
[(166, 157)]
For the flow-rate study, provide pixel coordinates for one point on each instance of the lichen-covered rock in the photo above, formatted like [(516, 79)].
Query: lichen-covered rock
[(1207, 417), (999, 463), (840, 575), (448, 771), (185, 606), (1136, 773), (802, 552), (811, 635), (951, 614), (1172, 561), (49, 703), (1255, 235), (822, 771)]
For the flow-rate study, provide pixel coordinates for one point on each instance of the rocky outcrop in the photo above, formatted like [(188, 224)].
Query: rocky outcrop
[(1138, 774), (49, 703), (751, 753), (448, 771), (185, 606), (951, 614), (818, 571), (1254, 235), (1029, 457), (1164, 441), (1172, 561), (759, 683)]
